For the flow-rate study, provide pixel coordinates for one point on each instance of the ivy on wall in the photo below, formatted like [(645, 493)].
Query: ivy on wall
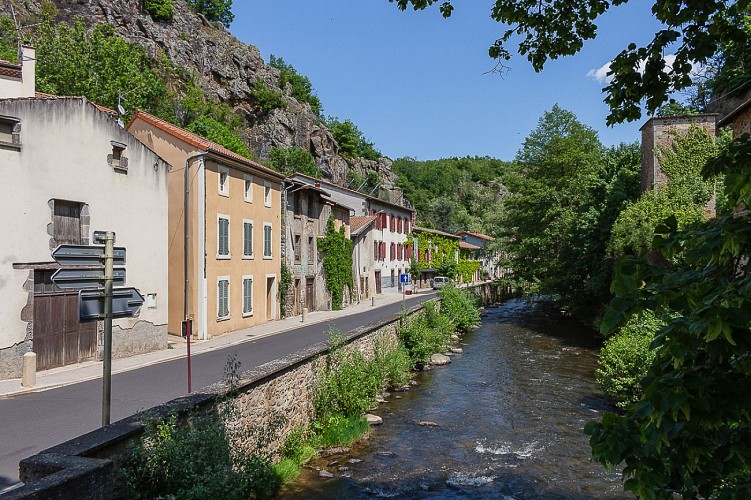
[(467, 268), (285, 281), (337, 263), (442, 249)]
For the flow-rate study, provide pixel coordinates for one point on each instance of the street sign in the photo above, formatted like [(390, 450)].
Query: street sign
[(125, 302), (86, 255), (77, 278), (100, 236), (404, 278)]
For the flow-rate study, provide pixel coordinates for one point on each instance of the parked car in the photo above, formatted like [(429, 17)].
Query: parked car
[(440, 281)]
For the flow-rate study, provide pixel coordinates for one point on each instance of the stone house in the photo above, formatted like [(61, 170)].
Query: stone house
[(739, 119), (474, 244), (69, 169), (363, 262), (224, 229), (307, 212), (392, 227), (431, 249)]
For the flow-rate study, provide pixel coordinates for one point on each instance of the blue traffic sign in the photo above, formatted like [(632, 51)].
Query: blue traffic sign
[(404, 278)]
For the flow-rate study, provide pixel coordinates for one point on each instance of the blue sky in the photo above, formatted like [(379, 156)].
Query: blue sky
[(416, 83)]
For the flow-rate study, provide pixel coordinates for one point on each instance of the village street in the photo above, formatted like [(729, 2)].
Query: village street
[(34, 421)]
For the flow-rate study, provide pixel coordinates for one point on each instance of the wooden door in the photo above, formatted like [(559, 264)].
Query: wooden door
[(310, 294), (59, 337), (378, 282)]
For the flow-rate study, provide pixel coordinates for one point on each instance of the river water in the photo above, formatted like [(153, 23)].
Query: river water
[(509, 413)]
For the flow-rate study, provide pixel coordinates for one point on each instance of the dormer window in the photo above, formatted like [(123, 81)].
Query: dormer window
[(117, 160), (10, 132)]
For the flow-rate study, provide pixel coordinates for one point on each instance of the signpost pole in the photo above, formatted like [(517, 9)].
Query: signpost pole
[(109, 243)]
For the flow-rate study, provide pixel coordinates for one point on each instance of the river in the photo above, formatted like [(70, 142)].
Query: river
[(509, 413)]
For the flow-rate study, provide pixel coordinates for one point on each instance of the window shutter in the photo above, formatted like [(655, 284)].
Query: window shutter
[(223, 237), (247, 238)]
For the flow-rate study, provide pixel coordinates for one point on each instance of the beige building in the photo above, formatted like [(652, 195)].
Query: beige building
[(363, 244), (224, 231), (69, 169)]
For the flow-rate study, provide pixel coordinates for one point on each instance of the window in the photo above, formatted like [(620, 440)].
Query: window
[(10, 132), (222, 298), (267, 194), (311, 249), (222, 251), (267, 240), (117, 159), (392, 251), (297, 203), (223, 181), (247, 296), (297, 250), (247, 238), (248, 188), (66, 222), (312, 207)]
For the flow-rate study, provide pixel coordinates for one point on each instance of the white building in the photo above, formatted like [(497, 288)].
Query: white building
[(69, 169)]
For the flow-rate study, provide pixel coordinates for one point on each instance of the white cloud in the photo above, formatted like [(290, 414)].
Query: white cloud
[(600, 75)]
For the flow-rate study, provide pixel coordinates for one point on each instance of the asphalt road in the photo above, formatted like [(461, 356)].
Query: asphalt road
[(33, 422)]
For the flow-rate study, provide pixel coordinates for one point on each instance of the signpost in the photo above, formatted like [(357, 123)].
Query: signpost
[(95, 278), (404, 279)]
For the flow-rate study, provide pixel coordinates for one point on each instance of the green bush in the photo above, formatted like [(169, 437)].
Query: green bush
[(301, 88), (159, 10), (349, 387), (460, 307), (427, 333), (265, 98), (213, 130), (338, 430), (336, 248), (351, 141), (394, 363), (626, 357), (291, 160)]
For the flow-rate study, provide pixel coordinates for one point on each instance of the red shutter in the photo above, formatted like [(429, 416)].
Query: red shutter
[(383, 250)]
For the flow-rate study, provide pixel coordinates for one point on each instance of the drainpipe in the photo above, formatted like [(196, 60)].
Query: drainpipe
[(186, 209)]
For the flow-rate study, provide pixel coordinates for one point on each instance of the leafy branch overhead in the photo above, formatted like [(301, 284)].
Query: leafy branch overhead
[(695, 32)]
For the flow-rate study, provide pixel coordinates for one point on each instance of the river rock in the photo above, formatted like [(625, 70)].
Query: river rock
[(439, 359), (426, 423), (385, 453), (325, 473), (343, 469), (338, 450), (373, 419), (381, 399), (413, 382), (456, 350), (354, 461), (455, 337), (335, 462)]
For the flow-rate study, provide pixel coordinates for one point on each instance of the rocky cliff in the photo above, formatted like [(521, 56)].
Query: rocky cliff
[(227, 69)]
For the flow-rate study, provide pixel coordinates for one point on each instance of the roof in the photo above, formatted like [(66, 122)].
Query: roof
[(199, 142), (434, 231), (368, 197), (467, 246), (476, 235), (357, 224), (691, 118), (730, 117), (10, 69)]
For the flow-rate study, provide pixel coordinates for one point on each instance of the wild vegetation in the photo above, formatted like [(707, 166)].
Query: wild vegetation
[(337, 263)]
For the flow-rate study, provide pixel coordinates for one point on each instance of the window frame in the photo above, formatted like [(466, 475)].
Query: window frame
[(267, 194), (270, 255), (220, 255), (247, 314), (15, 132), (222, 170), (219, 280), (248, 188), (251, 255)]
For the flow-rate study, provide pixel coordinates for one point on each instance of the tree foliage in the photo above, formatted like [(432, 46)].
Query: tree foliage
[(690, 432), (8, 40), (301, 88), (694, 31), (351, 141), (211, 129), (292, 160), (267, 98), (566, 191), (159, 10), (214, 10)]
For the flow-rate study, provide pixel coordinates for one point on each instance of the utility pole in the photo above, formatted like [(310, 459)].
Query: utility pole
[(109, 245)]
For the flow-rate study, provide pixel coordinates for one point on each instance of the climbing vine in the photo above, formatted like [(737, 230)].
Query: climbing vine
[(285, 281), (466, 268), (441, 248), (337, 263)]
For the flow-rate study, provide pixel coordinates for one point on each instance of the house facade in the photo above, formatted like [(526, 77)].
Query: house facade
[(393, 224), (475, 246), (307, 212), (363, 261), (224, 228), (68, 170), (433, 249)]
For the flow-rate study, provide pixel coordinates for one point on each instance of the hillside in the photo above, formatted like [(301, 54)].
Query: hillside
[(226, 70)]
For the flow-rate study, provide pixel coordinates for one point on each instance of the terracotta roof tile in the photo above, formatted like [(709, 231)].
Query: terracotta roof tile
[(477, 235), (468, 246), (358, 223), (198, 141), (434, 231)]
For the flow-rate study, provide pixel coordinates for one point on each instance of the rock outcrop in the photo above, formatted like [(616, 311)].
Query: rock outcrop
[(226, 68)]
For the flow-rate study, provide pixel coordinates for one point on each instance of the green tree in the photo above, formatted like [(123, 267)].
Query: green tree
[(694, 31), (265, 98), (8, 39), (291, 160), (301, 88), (566, 192), (689, 433), (159, 10), (214, 10), (97, 64), (213, 130), (351, 141)]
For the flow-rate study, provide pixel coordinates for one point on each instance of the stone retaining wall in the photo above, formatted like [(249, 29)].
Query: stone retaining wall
[(85, 467)]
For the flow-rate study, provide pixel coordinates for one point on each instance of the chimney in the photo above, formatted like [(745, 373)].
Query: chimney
[(28, 71)]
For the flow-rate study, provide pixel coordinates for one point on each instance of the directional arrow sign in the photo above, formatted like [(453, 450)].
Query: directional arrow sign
[(77, 278), (125, 302), (86, 255)]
